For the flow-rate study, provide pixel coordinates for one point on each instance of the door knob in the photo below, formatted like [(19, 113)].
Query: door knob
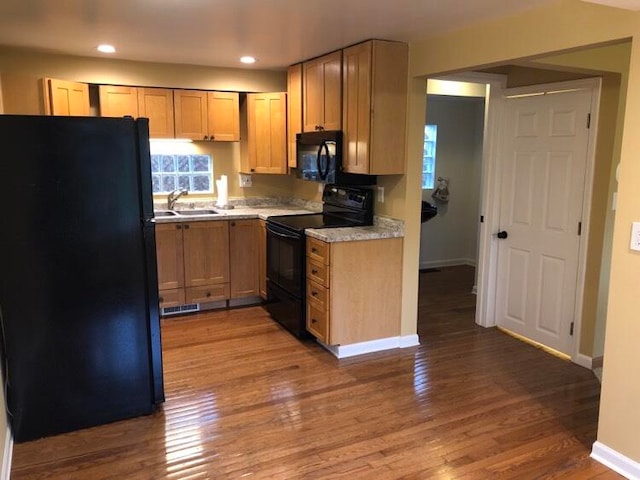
[(502, 235)]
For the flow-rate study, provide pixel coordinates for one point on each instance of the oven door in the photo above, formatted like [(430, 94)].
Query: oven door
[(285, 259)]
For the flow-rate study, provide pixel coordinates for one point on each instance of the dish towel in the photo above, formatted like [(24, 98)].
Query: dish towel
[(441, 193)]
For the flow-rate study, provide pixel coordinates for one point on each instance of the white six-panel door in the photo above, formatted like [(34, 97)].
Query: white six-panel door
[(542, 187)]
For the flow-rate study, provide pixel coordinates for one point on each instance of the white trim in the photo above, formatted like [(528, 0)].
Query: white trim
[(452, 262), (7, 456), (407, 341), (583, 360), (351, 350), (615, 461)]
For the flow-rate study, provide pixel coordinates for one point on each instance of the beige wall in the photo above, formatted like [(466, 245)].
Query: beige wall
[(565, 25)]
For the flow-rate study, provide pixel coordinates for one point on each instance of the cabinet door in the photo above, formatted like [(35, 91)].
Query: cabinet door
[(322, 93), (206, 253), (190, 108), (223, 115), (266, 137), (169, 255), (244, 268), (156, 104), (262, 258), (118, 101), (294, 110), (67, 98), (357, 107)]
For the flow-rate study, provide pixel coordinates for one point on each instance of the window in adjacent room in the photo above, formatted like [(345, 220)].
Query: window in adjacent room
[(190, 172), (429, 157)]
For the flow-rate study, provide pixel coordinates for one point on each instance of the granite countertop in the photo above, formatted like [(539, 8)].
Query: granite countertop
[(383, 227)]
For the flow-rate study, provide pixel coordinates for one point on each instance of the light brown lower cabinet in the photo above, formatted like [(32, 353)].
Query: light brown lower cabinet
[(262, 259), (354, 290), (209, 261)]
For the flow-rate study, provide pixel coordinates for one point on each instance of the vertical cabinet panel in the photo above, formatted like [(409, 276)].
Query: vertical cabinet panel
[(294, 110), (169, 255), (206, 253), (190, 107), (266, 118), (66, 98), (223, 110), (156, 104), (244, 258), (118, 101), (262, 258)]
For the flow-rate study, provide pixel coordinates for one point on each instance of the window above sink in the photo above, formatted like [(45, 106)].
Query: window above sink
[(192, 172)]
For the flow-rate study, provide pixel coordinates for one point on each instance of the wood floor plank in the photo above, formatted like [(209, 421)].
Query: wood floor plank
[(247, 400)]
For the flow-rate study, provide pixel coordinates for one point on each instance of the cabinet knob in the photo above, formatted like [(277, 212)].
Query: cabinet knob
[(161, 299), (313, 320), (186, 227), (314, 271), (233, 224), (253, 169), (179, 227), (208, 294), (212, 138), (314, 294), (314, 249), (206, 137)]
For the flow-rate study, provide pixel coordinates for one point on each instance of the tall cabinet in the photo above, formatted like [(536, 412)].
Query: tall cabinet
[(322, 93), (375, 106)]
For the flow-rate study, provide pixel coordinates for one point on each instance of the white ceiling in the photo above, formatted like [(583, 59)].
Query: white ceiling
[(218, 32)]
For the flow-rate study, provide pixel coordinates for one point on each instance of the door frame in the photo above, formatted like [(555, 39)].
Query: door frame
[(490, 203)]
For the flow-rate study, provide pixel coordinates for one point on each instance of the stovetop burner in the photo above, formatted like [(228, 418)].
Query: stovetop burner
[(342, 207)]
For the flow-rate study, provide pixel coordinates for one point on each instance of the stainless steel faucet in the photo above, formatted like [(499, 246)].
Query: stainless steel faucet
[(173, 197)]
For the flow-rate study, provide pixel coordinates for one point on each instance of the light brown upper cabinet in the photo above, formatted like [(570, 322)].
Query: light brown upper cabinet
[(209, 116), (322, 93), (294, 110), (118, 101), (266, 133), (190, 108), (223, 115), (66, 98), (374, 80), (157, 105)]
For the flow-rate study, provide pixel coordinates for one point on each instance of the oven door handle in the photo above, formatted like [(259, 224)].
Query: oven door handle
[(278, 234)]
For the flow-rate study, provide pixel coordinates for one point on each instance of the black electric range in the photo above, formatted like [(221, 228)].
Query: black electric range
[(286, 244)]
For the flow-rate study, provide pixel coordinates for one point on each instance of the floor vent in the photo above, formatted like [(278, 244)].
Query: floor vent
[(192, 307)]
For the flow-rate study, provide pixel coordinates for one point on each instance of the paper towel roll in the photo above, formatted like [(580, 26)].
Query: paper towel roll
[(223, 193)]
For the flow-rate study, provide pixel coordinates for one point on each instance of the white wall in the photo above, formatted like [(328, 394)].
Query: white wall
[(451, 237)]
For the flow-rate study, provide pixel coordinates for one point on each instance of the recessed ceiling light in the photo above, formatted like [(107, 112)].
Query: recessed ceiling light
[(104, 48), (248, 59)]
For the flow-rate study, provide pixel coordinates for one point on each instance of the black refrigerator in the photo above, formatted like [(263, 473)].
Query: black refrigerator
[(79, 308)]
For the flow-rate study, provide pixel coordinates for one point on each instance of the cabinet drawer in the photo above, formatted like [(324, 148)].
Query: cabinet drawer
[(318, 322), (207, 293), (171, 298), (318, 294), (318, 272), (318, 250)]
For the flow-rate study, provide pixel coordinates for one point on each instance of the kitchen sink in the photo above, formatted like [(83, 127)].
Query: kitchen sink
[(197, 212), (164, 213)]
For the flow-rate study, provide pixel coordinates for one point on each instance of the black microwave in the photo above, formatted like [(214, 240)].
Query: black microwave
[(319, 159)]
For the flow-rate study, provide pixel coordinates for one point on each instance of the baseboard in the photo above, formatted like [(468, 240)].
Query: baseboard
[(7, 456), (615, 461), (379, 345), (597, 362), (584, 361), (452, 262), (409, 341)]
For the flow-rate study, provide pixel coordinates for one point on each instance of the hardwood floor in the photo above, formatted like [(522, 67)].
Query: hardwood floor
[(247, 400)]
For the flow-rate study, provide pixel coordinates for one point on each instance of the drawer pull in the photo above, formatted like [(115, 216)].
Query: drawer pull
[(161, 299), (314, 271), (314, 294), (314, 249), (313, 320)]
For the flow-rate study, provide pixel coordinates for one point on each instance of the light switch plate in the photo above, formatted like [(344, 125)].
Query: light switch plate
[(635, 236)]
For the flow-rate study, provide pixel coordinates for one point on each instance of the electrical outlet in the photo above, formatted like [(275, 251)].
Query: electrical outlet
[(245, 180), (635, 236), (380, 195)]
